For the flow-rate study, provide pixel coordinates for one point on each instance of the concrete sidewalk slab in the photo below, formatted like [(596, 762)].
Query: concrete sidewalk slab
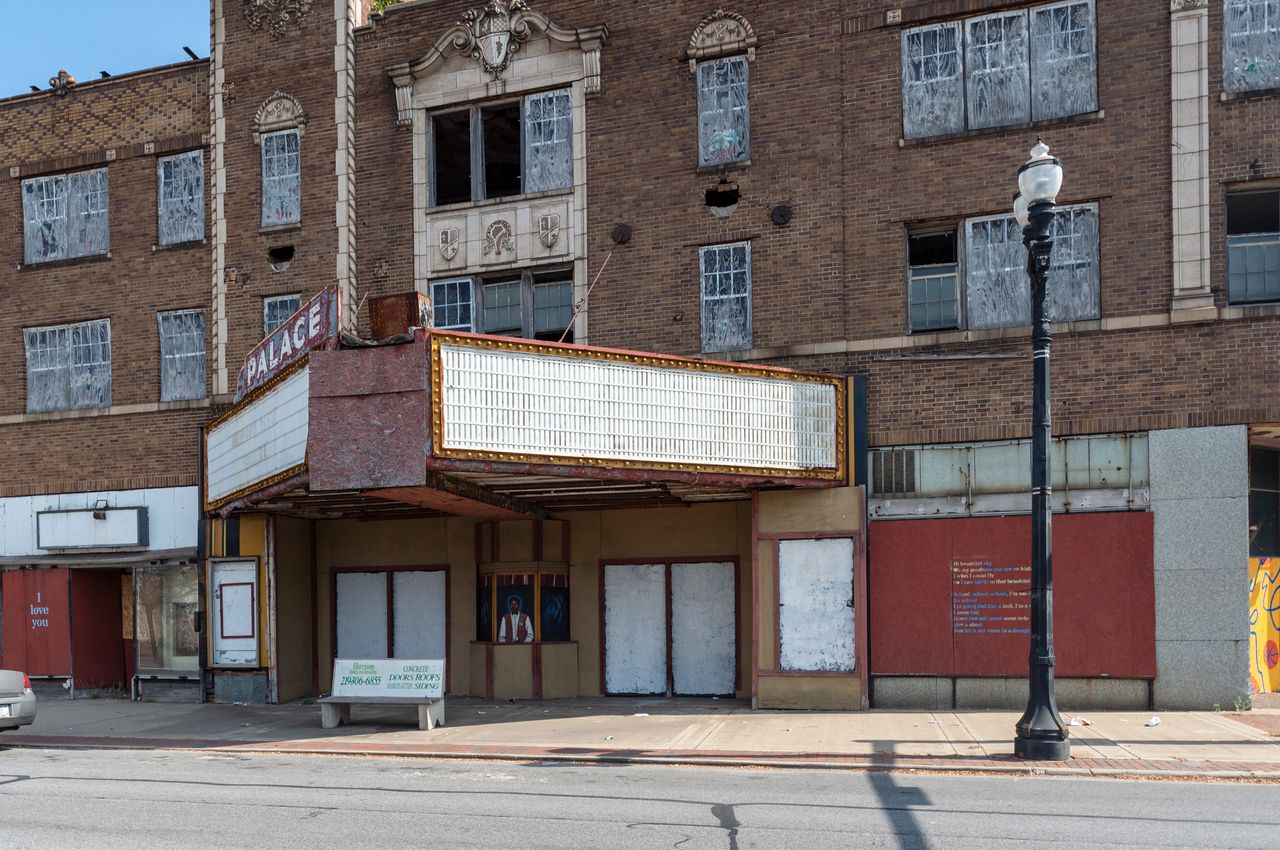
[(685, 731)]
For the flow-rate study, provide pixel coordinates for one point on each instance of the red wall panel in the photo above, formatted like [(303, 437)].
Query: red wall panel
[(949, 597), (96, 639), (37, 633)]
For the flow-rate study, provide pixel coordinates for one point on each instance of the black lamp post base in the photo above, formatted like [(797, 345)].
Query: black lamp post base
[(1041, 749)]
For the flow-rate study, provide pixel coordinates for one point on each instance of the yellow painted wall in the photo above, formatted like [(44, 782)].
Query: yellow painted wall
[(294, 647), (396, 543), (823, 693)]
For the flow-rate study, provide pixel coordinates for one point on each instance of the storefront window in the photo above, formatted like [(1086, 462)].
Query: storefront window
[(522, 607), (166, 602)]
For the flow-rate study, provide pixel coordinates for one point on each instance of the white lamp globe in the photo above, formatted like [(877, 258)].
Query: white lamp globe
[(1040, 179)]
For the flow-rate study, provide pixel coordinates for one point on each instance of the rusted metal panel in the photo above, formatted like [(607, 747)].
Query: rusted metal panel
[(396, 314), (950, 597), (368, 417)]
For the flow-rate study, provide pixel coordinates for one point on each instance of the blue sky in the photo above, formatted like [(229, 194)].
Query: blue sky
[(88, 36)]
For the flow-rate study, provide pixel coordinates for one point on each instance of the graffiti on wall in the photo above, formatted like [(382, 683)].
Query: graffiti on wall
[(1264, 624)]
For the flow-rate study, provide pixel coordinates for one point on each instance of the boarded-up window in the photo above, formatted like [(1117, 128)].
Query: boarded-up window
[(68, 366), (1064, 68), (1251, 45), (65, 216), (726, 297), (451, 304), (548, 141), (996, 60), (276, 309), (281, 179), (181, 197), (724, 120), (932, 81), (997, 289), (181, 355), (816, 605)]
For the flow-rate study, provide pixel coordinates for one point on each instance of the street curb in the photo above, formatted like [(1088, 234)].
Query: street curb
[(1136, 771)]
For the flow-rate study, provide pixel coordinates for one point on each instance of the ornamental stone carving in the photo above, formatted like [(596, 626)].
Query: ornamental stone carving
[(276, 14), (62, 84), (498, 237), (491, 35), (281, 111), (721, 34)]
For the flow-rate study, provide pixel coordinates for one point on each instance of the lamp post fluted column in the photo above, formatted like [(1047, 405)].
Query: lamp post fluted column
[(1041, 734)]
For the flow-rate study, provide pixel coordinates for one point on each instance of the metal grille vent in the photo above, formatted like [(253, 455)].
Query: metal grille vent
[(893, 472)]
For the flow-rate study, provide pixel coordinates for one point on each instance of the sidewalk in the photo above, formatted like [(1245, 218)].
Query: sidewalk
[(681, 731)]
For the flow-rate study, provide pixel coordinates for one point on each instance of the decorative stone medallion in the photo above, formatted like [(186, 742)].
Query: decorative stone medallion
[(449, 242), (276, 14), (499, 237), (496, 32), (549, 229)]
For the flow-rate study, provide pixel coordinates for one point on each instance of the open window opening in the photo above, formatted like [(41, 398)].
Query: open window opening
[(1253, 247), (280, 257), (934, 271)]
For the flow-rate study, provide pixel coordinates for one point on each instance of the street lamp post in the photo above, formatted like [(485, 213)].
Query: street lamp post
[(1041, 734)]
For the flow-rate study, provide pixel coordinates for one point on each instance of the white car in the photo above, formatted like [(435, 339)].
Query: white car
[(17, 701)]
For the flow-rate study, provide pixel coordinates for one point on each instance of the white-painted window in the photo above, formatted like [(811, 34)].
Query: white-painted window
[(1000, 69), (182, 373), (65, 216), (181, 197), (724, 114), (499, 150), (548, 141), (1251, 45), (68, 366), (276, 309), (932, 81), (994, 290), (1064, 60), (726, 296), (281, 178)]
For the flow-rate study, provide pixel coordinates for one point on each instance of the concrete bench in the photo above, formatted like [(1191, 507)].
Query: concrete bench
[(391, 681), (334, 711)]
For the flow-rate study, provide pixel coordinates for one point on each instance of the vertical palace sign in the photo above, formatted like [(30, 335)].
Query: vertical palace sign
[(314, 325)]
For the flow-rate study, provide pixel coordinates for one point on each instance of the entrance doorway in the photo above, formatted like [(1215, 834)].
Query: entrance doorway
[(670, 627), (391, 613)]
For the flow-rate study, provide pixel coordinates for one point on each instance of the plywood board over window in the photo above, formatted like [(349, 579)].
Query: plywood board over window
[(724, 115), (181, 355), (68, 366), (1251, 45)]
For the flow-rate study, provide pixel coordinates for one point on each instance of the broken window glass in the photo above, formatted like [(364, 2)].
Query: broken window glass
[(181, 197), (997, 292), (548, 141), (65, 216), (932, 81), (1251, 45), (724, 120), (932, 292), (1253, 247), (726, 297), (1064, 70), (1072, 293), (451, 304), (501, 130), (68, 366), (999, 91), (451, 158), (181, 355), (281, 179), (276, 309)]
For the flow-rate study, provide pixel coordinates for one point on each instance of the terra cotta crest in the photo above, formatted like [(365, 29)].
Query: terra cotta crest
[(497, 32), (449, 242)]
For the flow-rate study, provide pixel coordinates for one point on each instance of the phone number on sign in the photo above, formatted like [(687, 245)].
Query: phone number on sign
[(361, 680)]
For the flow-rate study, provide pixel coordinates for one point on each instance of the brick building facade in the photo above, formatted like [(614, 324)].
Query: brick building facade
[(820, 186)]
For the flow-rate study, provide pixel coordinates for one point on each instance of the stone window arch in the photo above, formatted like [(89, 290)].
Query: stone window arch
[(719, 51), (278, 127)]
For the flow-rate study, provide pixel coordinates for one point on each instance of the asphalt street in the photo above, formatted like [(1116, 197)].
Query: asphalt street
[(166, 799)]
